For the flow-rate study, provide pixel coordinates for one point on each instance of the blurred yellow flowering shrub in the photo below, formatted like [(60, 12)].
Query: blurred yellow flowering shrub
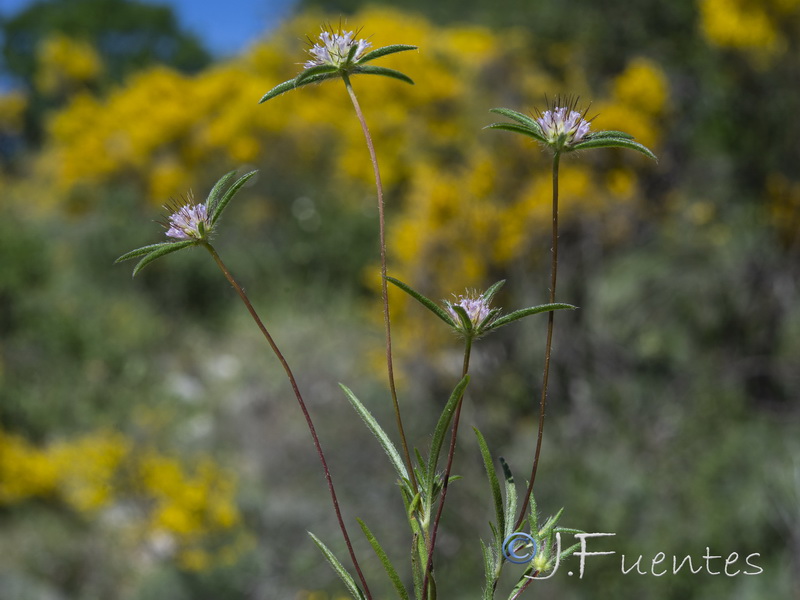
[(65, 64), (746, 24), (190, 513), (463, 202), (12, 109)]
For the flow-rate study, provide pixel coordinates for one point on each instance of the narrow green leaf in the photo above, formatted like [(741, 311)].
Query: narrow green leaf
[(163, 251), (373, 70), (596, 135), (488, 568), (511, 498), (568, 530), (488, 295), (441, 429), (466, 324), (488, 319), (525, 312), (387, 564), (426, 302), (513, 127), (612, 142), (354, 590), (142, 250), (314, 71), (214, 194), (379, 52), (494, 482), (496, 533), (525, 120), (230, 194), (278, 90), (534, 512), (378, 432), (418, 563), (550, 524), (568, 552)]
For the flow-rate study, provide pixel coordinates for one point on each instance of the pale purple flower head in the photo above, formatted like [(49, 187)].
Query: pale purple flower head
[(476, 307), (334, 49), (189, 222), (563, 126)]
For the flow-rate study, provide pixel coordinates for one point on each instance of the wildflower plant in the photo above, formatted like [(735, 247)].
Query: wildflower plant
[(422, 484)]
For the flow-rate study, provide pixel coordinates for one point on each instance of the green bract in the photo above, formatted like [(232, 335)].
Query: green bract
[(190, 224), (562, 129), (471, 316), (339, 55)]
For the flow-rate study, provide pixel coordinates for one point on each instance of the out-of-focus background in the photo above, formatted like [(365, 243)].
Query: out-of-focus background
[(149, 445)]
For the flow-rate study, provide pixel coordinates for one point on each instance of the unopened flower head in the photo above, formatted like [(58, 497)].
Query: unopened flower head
[(189, 222), (563, 126), (334, 49), (476, 307)]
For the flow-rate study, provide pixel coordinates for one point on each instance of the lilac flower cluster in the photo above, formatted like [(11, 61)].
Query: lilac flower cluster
[(477, 309), (189, 222), (335, 48), (561, 121)]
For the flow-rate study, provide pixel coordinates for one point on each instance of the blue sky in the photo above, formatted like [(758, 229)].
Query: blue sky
[(225, 26)]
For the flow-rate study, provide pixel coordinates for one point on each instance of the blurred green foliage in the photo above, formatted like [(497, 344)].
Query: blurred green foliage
[(673, 412)]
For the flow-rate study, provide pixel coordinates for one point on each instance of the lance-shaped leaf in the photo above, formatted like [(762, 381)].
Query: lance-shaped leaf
[(494, 483), (348, 580), (513, 127), (373, 70), (525, 120), (153, 252), (292, 84), (387, 564), (216, 192), (466, 324), (426, 302), (525, 312), (489, 570), (279, 89), (488, 295), (223, 202), (384, 51), (378, 432), (314, 71), (614, 142), (143, 250), (440, 431), (608, 133), (511, 498)]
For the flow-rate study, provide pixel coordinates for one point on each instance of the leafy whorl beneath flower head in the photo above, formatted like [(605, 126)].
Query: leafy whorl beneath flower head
[(339, 54), (471, 316), (563, 129), (190, 224)]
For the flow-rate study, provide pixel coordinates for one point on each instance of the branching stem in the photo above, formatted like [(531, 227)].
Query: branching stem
[(448, 469)]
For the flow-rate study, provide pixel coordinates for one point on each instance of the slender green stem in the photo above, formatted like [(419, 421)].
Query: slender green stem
[(524, 587), (384, 289), (549, 344), (450, 454), (302, 404)]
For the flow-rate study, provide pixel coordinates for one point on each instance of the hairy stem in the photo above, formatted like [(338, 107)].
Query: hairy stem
[(384, 288), (302, 404), (524, 587), (450, 454), (549, 343)]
